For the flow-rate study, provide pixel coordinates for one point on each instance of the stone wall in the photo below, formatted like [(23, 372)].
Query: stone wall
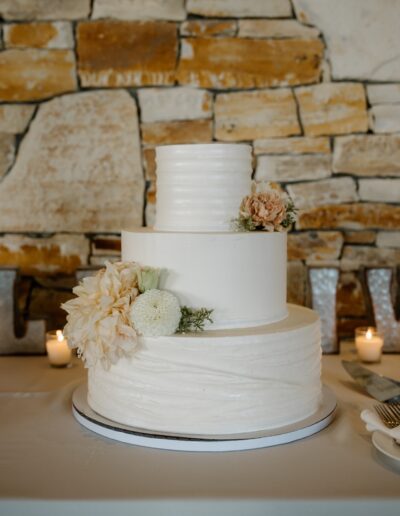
[(89, 88)]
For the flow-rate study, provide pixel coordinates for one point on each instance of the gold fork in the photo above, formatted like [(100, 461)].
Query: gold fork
[(389, 414)]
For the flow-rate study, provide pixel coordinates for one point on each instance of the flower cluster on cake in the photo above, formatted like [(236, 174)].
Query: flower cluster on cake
[(119, 303), (267, 208)]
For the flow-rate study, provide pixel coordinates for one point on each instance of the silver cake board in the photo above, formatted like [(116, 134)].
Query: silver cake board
[(196, 443)]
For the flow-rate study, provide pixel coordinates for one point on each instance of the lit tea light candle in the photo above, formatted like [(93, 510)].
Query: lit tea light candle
[(369, 344), (57, 349)]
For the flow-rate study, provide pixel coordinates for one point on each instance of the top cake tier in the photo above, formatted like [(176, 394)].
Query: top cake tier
[(200, 187)]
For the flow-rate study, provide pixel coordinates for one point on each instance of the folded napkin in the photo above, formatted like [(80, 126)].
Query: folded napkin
[(373, 424)]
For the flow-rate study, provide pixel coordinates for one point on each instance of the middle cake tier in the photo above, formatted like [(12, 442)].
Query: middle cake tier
[(241, 276)]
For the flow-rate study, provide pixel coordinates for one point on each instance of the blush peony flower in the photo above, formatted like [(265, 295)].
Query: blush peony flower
[(266, 208), (98, 322), (155, 313)]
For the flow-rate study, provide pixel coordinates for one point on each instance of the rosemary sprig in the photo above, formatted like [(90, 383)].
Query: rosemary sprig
[(244, 224), (193, 319), (291, 215)]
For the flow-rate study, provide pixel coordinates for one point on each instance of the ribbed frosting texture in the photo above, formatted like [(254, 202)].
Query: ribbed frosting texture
[(217, 382), (200, 187)]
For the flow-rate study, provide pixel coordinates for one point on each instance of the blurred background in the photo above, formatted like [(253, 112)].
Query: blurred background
[(89, 88)]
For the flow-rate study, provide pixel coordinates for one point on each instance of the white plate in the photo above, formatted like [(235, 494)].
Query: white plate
[(261, 439), (386, 445)]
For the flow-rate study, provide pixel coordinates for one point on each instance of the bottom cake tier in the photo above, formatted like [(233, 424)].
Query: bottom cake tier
[(216, 382)]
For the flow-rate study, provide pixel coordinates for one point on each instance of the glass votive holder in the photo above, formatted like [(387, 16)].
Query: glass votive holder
[(369, 344), (57, 348)]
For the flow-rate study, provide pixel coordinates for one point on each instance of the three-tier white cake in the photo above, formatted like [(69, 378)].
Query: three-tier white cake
[(257, 366)]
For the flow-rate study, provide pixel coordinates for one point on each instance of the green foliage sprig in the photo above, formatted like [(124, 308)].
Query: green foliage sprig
[(193, 319), (291, 215), (244, 224)]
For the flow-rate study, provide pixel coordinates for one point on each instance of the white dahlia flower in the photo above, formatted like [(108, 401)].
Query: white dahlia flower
[(98, 322), (155, 313)]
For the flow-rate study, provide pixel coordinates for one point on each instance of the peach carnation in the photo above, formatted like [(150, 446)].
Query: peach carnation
[(265, 209)]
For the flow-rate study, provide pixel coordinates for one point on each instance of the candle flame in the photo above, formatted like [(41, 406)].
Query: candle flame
[(60, 336), (369, 334)]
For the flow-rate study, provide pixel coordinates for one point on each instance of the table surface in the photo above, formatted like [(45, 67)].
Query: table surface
[(48, 461)]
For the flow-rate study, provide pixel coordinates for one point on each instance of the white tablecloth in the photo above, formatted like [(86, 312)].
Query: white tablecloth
[(49, 464)]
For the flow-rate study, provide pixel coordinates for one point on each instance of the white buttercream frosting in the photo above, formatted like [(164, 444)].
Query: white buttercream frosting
[(241, 276), (200, 187), (258, 368), (216, 382)]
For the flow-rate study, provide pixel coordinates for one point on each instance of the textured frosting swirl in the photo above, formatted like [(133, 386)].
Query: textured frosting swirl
[(218, 382)]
